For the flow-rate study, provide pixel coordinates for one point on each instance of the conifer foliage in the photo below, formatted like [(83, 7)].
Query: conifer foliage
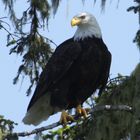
[(115, 115)]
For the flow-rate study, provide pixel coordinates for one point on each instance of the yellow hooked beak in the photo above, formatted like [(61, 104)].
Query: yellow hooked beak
[(75, 21)]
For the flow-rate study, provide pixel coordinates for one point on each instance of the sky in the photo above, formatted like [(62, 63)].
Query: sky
[(118, 29)]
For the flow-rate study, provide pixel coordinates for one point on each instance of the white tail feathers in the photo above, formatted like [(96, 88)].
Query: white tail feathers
[(40, 111), (35, 117)]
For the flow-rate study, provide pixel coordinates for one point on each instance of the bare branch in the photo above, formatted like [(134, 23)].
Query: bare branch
[(35, 131), (4, 28), (111, 108)]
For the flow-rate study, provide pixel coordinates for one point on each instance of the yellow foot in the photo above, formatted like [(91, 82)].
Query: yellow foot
[(81, 111), (65, 118)]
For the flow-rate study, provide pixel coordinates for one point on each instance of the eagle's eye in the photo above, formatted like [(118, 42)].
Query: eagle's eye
[(82, 17)]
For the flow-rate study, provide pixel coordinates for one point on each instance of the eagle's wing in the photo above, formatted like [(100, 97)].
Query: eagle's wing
[(105, 71), (57, 66)]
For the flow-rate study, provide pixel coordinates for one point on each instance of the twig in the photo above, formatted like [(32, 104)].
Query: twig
[(95, 109), (48, 39), (117, 79), (2, 17), (7, 30)]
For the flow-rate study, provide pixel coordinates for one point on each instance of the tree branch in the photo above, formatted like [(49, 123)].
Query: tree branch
[(111, 108), (35, 131), (95, 109)]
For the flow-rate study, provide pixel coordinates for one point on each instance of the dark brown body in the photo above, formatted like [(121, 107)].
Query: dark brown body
[(74, 72)]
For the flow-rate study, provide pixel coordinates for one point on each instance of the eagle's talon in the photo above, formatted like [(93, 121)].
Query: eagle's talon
[(87, 110), (81, 111), (65, 118)]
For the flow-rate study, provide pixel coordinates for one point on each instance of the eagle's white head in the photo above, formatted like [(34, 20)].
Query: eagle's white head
[(87, 26)]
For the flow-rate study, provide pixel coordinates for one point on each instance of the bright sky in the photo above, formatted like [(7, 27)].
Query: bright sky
[(118, 29)]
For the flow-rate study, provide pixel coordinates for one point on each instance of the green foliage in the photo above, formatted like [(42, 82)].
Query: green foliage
[(32, 46), (113, 125), (76, 131), (137, 39), (57, 134), (6, 129), (35, 51), (119, 125), (55, 4), (136, 10)]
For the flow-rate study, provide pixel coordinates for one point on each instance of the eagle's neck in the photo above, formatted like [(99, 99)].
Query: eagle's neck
[(88, 30)]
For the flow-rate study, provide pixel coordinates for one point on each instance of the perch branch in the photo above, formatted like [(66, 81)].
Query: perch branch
[(95, 109)]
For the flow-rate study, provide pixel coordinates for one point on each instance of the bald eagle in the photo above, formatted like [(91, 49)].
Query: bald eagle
[(78, 67)]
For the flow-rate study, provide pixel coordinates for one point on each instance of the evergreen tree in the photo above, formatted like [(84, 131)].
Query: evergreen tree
[(115, 114)]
